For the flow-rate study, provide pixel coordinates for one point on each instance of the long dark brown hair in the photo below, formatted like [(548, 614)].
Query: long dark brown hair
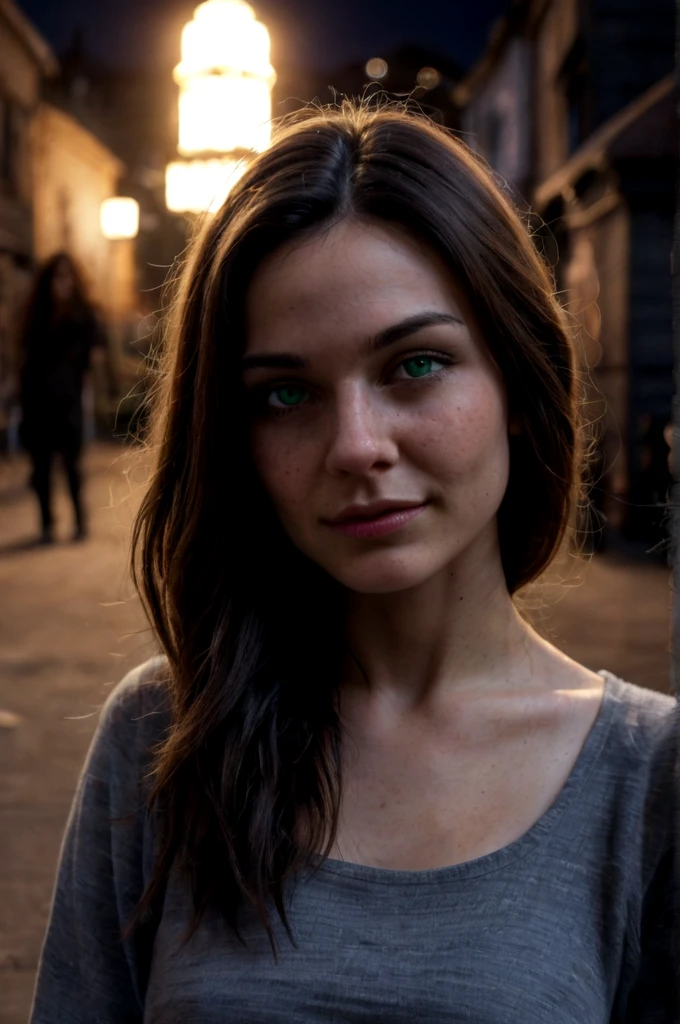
[(247, 783)]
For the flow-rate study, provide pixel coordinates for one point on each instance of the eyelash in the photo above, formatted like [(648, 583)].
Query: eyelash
[(262, 394)]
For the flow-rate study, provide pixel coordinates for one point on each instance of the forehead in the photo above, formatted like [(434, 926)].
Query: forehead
[(345, 283)]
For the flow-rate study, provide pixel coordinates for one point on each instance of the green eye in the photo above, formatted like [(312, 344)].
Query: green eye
[(418, 366), (287, 396)]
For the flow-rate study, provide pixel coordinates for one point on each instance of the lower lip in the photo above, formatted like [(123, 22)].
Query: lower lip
[(381, 526)]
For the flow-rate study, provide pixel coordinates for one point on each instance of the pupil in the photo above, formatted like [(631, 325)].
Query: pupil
[(289, 396), (420, 365)]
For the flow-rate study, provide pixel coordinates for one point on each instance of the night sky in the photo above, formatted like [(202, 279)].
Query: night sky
[(316, 33)]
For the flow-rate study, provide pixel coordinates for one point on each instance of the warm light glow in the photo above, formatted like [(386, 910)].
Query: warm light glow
[(376, 67), (224, 36), (428, 78), (119, 218), (201, 186), (225, 80), (224, 113)]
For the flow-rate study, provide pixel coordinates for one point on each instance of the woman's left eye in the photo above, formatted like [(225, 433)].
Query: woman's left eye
[(420, 366)]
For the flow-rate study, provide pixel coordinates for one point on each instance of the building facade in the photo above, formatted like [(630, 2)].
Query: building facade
[(73, 173), (598, 133), (54, 174), (25, 60), (496, 103)]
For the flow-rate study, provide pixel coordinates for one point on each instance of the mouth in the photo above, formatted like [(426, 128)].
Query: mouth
[(376, 520), (364, 513)]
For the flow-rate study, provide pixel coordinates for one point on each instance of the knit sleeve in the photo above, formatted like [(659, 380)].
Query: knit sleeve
[(652, 982), (88, 971)]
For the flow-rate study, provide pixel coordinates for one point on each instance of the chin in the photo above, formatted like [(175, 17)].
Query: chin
[(387, 573)]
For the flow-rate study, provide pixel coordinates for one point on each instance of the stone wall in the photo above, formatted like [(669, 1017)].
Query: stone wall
[(22, 65)]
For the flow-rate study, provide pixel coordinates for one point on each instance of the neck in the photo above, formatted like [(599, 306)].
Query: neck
[(457, 631)]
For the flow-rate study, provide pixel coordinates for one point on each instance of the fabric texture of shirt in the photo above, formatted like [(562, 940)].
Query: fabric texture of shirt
[(570, 924)]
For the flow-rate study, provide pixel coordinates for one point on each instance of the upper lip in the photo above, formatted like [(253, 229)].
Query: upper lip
[(376, 508)]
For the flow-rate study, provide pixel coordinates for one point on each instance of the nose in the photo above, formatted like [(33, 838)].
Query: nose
[(361, 437)]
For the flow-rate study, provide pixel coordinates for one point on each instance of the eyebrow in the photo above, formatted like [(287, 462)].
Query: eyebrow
[(405, 328)]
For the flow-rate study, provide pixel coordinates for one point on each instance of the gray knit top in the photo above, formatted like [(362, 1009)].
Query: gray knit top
[(570, 924)]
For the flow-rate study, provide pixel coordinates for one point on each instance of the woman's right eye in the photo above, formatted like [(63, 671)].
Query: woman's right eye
[(289, 396)]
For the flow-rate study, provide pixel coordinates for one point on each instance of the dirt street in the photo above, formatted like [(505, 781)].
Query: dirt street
[(70, 628)]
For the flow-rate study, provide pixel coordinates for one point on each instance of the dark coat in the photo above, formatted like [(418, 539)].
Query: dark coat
[(56, 358)]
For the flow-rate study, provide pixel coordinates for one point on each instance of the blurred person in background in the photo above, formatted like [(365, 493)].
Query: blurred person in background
[(61, 336)]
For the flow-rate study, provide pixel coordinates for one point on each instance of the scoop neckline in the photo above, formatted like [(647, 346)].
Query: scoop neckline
[(526, 843)]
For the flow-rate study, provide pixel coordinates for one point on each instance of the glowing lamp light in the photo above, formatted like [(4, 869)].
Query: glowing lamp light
[(200, 186), (223, 113), (224, 36), (428, 78), (225, 81), (119, 218), (376, 67)]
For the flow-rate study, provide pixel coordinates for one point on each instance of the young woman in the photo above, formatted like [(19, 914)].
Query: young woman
[(59, 336), (358, 786)]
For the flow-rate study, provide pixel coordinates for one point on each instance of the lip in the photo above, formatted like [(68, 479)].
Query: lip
[(373, 509), (377, 520)]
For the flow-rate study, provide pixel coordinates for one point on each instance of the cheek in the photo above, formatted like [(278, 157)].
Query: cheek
[(282, 466), (463, 433)]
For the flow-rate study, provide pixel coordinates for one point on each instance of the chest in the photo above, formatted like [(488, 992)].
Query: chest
[(432, 798), (490, 949)]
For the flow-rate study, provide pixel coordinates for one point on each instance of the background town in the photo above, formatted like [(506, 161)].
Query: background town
[(111, 147)]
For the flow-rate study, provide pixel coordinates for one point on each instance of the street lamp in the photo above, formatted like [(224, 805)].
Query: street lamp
[(119, 217), (225, 81)]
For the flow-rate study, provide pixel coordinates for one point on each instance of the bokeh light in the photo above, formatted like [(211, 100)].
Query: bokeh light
[(376, 67)]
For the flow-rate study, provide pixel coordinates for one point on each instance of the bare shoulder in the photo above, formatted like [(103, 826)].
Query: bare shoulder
[(554, 668), (638, 702), (642, 720), (574, 693)]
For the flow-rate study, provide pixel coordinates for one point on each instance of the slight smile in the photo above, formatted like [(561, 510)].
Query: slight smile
[(379, 525)]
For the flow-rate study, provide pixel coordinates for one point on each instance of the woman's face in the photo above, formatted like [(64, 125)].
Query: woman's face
[(63, 283), (369, 383)]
